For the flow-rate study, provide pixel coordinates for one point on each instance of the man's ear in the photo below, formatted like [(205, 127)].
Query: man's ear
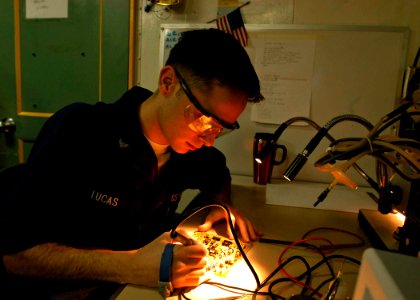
[(167, 80)]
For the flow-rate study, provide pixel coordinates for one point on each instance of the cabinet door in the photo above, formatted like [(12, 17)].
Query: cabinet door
[(47, 63)]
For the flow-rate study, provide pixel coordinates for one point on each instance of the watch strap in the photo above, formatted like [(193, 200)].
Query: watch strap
[(165, 285)]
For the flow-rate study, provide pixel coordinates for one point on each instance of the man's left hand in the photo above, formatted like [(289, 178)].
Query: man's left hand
[(246, 228)]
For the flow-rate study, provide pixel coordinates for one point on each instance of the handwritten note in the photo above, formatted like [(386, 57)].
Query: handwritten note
[(285, 68), (46, 9)]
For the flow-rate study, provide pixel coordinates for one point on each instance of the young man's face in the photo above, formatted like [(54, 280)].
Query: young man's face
[(184, 125)]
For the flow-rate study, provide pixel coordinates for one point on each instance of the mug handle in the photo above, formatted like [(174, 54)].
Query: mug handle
[(283, 156)]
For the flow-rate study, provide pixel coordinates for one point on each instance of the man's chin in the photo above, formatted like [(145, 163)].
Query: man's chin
[(184, 150)]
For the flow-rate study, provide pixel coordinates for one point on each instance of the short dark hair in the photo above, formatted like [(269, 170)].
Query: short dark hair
[(211, 54)]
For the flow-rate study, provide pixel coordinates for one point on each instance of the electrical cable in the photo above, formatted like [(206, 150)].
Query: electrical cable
[(377, 148), (283, 270), (337, 246), (274, 272), (355, 148), (235, 289), (338, 152), (365, 142), (281, 265), (413, 162), (324, 260), (307, 274), (268, 147), (402, 174), (336, 256), (321, 249), (301, 159), (395, 119), (279, 131)]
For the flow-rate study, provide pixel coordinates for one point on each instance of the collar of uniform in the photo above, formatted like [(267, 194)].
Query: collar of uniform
[(128, 119)]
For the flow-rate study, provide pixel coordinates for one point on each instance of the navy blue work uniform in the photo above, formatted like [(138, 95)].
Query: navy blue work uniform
[(91, 181)]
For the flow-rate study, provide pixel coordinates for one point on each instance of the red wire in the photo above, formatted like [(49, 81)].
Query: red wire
[(331, 247), (293, 244), (337, 246)]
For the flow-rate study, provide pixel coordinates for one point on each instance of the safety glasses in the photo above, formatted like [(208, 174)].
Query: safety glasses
[(199, 119)]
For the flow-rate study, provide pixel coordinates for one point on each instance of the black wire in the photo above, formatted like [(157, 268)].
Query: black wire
[(331, 257), (323, 132), (396, 118), (281, 266), (308, 277), (274, 283), (354, 118), (235, 289), (387, 162), (386, 121), (372, 149), (283, 126), (324, 260), (307, 274), (376, 152), (321, 285)]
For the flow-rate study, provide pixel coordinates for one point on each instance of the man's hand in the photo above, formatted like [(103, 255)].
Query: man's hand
[(188, 264), (246, 227)]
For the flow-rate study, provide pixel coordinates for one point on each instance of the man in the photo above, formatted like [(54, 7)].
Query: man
[(100, 188)]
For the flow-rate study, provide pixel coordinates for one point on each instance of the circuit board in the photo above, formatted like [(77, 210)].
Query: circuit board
[(223, 252)]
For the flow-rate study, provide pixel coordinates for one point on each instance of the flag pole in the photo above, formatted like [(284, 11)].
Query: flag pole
[(240, 6)]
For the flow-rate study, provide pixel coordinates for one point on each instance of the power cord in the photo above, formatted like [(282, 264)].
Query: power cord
[(268, 282)]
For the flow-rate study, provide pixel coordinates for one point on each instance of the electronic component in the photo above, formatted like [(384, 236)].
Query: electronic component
[(223, 252)]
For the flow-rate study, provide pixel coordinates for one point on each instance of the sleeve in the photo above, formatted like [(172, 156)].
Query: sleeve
[(35, 216)]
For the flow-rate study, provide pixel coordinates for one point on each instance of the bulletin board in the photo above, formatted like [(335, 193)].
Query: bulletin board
[(356, 70)]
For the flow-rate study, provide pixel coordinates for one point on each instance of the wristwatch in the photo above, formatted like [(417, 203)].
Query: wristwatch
[(165, 285)]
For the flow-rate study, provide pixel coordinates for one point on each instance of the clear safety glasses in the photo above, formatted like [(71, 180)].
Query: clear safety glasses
[(199, 119)]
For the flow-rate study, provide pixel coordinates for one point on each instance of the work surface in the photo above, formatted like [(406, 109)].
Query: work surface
[(281, 223)]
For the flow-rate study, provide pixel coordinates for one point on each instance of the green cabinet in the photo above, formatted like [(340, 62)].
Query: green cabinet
[(46, 64)]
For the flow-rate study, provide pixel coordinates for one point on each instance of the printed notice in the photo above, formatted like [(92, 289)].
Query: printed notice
[(285, 68), (46, 9)]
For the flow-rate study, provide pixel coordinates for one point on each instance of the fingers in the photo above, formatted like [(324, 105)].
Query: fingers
[(189, 265), (190, 279), (206, 226), (182, 237), (193, 251), (215, 215), (247, 230)]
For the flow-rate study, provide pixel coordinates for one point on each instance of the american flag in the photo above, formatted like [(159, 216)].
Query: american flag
[(234, 24)]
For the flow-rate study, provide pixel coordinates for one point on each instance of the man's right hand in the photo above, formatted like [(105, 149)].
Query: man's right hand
[(188, 264)]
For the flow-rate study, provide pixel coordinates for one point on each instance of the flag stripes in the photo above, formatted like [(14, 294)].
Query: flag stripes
[(233, 24)]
